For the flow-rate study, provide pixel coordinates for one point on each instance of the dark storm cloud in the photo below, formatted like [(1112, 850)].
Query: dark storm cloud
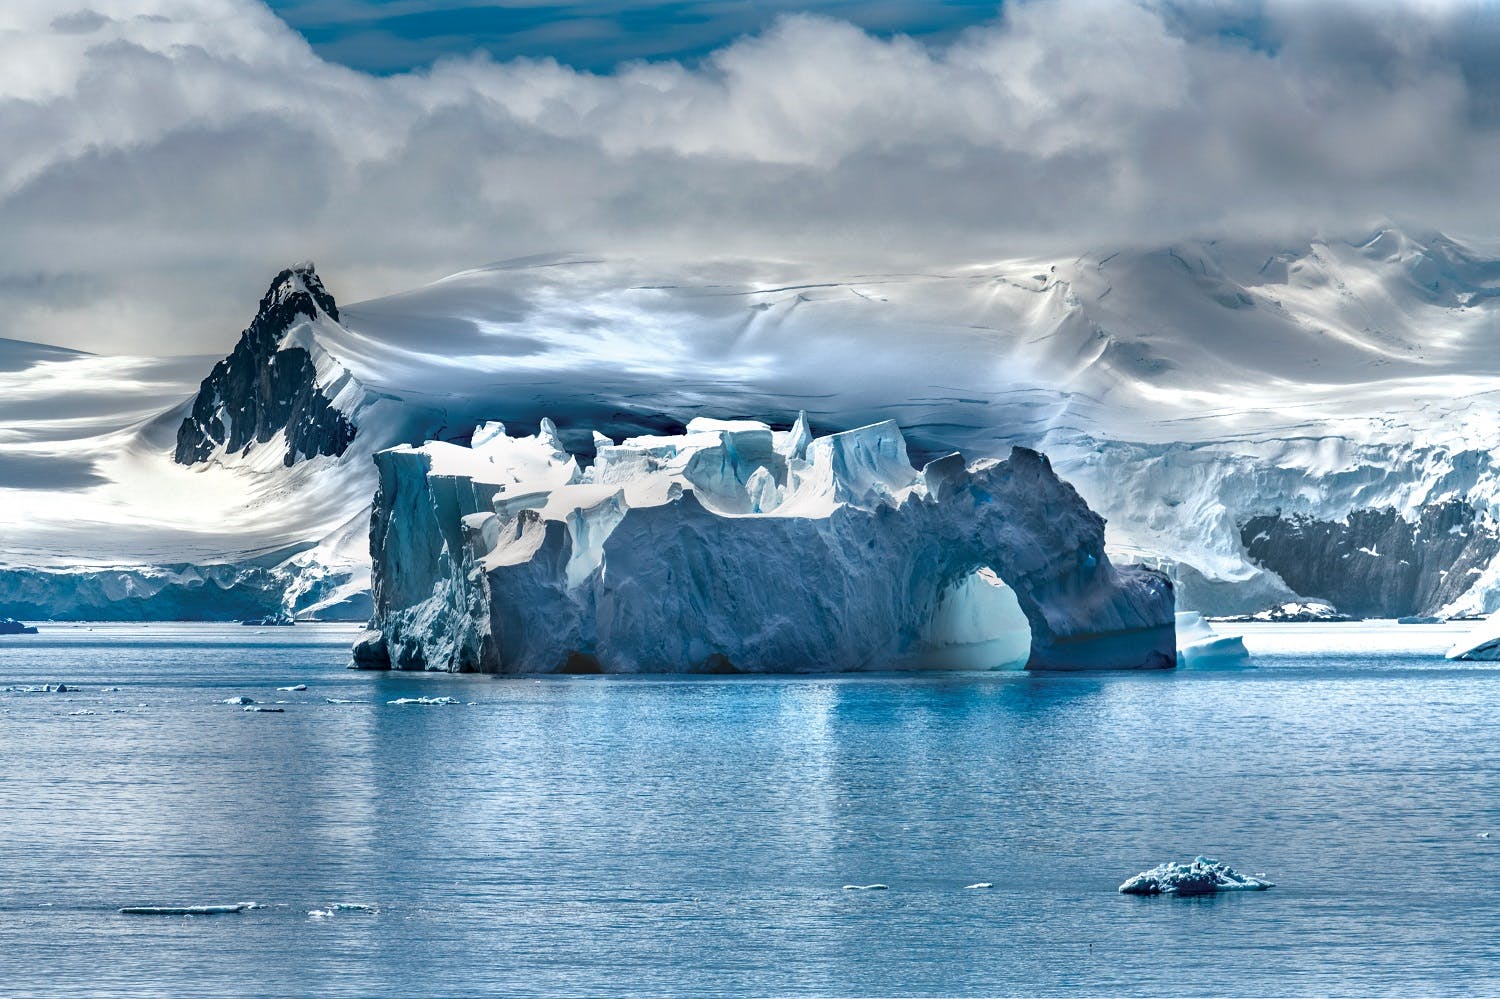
[(171, 159)]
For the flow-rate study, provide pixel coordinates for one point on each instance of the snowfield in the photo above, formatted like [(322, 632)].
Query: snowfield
[(1182, 391)]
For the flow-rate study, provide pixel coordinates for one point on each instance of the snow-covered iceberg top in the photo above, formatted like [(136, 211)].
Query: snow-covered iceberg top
[(733, 547), (1204, 876)]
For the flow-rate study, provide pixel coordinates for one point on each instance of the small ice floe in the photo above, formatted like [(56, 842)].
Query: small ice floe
[(425, 700), (338, 907), (241, 700), (338, 700), (866, 887), (84, 711), (110, 690), (1200, 647), (262, 709), (979, 884), (187, 910), (1484, 836), (295, 686), (1204, 876)]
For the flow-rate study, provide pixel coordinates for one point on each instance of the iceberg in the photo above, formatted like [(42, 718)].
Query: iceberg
[(732, 547), (10, 626), (1204, 876), (1200, 647)]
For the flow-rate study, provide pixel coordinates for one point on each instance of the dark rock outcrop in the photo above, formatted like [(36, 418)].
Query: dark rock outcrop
[(1375, 563), (262, 388)]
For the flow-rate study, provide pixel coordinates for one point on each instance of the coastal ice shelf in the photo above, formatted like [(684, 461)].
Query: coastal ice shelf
[(736, 548)]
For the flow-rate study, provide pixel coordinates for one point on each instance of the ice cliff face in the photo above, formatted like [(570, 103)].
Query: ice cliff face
[(735, 548), (269, 385)]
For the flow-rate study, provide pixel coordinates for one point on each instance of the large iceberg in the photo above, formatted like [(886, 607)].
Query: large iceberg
[(735, 548)]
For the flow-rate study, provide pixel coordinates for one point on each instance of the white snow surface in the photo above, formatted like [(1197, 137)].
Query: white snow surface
[(1482, 644), (1181, 390), (714, 551)]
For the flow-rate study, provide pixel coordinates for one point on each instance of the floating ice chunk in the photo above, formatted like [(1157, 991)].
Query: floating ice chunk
[(425, 700), (295, 686), (84, 711), (338, 907), (979, 884), (1200, 647), (874, 887), (262, 709), (338, 700), (240, 700), (1204, 876), (186, 910)]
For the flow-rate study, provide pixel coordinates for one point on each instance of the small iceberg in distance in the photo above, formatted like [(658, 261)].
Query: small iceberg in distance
[(874, 887), (1482, 644), (1200, 647), (425, 700), (1204, 876), (269, 621), (10, 626)]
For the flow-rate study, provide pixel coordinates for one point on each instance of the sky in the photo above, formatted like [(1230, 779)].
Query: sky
[(397, 36), (164, 158)]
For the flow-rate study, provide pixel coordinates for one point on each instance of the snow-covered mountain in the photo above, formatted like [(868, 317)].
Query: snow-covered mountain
[(1266, 421)]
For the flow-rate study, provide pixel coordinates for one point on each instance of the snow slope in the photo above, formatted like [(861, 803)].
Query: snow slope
[(1184, 391)]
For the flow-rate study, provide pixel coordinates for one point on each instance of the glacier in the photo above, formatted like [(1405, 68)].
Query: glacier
[(1268, 423), (733, 547)]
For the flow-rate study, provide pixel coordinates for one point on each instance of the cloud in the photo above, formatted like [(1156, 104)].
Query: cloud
[(165, 157)]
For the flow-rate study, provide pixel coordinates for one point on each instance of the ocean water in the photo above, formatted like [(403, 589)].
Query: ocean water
[(590, 836)]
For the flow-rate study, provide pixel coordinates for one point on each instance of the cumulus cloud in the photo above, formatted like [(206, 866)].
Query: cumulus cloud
[(164, 157)]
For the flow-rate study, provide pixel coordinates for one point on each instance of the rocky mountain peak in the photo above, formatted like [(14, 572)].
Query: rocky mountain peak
[(265, 386)]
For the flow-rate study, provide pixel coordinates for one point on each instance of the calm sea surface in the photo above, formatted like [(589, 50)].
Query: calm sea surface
[(597, 836)]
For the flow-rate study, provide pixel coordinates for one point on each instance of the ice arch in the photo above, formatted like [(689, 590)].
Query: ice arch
[(732, 547), (977, 623)]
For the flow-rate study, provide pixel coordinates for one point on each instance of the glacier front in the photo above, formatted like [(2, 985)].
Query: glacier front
[(735, 548)]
